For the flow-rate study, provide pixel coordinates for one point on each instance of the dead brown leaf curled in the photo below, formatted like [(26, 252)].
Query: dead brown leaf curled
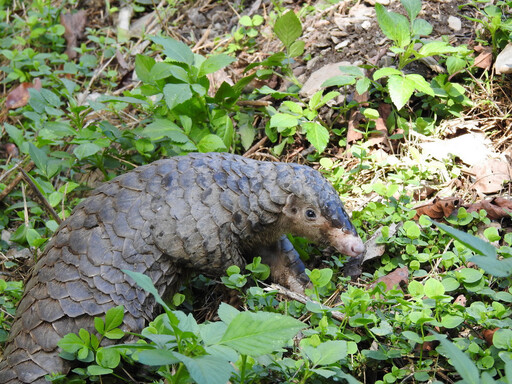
[(395, 278), (438, 208), (497, 208), (74, 24), (19, 96)]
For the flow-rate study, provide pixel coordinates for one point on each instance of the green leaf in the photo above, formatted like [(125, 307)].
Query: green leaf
[(328, 352), (394, 26), (114, 317), (259, 333), (420, 84), (433, 288), (146, 283), (246, 21), (108, 357), (469, 275), (400, 90), (71, 343), (474, 243), (296, 49), (227, 313), (413, 8), (86, 150), (175, 50), (385, 72), (502, 338), (339, 81), (96, 370), (207, 369), (283, 120), (143, 66), (421, 27), (39, 157), (115, 334), (161, 128), (462, 363), (288, 28), (15, 134), (451, 321), (416, 289), (175, 94), (412, 336), (211, 143), (455, 64), (214, 63), (317, 135), (157, 357), (436, 48)]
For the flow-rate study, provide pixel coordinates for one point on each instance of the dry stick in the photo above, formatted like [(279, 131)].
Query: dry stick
[(201, 41), (15, 182), (41, 198), (255, 147)]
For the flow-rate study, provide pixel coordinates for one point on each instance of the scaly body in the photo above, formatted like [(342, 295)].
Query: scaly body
[(202, 212)]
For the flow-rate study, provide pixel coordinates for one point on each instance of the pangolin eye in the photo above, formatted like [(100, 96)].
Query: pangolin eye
[(310, 214)]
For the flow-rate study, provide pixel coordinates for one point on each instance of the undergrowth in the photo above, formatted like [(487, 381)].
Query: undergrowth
[(447, 320)]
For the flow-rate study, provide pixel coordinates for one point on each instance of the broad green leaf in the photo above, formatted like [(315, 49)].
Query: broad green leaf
[(15, 134), (157, 357), (295, 107), (421, 27), (502, 338), (394, 26), (71, 343), (320, 277), (383, 329), (227, 313), (161, 128), (297, 48), (283, 120), (223, 127), (363, 85), (469, 275), (455, 64), (39, 157), (143, 67), (246, 21), (385, 72), (339, 81), (175, 94), (317, 135), (352, 70), (451, 321), (400, 90), (416, 289), (412, 230), (474, 243), (85, 150), (462, 363), (413, 8), (420, 84), (114, 317), (108, 357), (99, 325), (259, 333), (51, 98), (96, 370), (450, 284), (436, 48), (207, 369), (115, 334), (328, 352), (412, 336), (211, 143), (433, 288), (175, 50), (288, 28), (214, 63)]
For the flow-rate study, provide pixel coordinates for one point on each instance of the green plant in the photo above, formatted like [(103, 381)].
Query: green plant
[(245, 36)]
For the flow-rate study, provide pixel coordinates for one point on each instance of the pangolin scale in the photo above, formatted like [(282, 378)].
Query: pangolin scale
[(202, 212)]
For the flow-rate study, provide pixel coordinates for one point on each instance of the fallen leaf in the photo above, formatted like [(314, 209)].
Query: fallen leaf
[(74, 24), (381, 134), (395, 278), (491, 175), (497, 208), (488, 334), (19, 96), (438, 208), (484, 59), (353, 133)]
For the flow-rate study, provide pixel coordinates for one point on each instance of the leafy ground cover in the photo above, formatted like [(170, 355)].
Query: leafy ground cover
[(90, 93)]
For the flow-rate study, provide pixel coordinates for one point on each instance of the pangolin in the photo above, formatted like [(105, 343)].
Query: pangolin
[(201, 212)]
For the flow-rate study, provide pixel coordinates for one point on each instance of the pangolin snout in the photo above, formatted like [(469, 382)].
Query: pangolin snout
[(347, 243)]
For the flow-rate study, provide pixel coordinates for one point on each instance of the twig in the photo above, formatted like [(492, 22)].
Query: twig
[(255, 147), (203, 38), (40, 196), (15, 182)]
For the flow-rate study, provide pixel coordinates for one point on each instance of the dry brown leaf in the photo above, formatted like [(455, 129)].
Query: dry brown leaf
[(355, 117), (488, 334), (491, 175), (497, 208), (19, 96), (395, 278), (381, 134), (438, 208), (484, 59), (74, 24)]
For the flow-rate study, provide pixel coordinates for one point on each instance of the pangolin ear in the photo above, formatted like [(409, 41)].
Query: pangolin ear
[(292, 205)]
